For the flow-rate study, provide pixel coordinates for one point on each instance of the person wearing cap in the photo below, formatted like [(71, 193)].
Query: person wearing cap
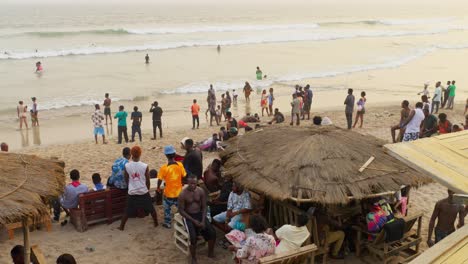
[(34, 118), (172, 174)]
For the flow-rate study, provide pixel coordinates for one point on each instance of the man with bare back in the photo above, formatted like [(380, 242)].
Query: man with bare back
[(192, 206), (445, 211)]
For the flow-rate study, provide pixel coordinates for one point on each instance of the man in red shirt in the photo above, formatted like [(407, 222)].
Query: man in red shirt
[(195, 109)]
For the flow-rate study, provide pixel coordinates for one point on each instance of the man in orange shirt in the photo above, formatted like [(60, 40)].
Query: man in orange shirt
[(195, 109), (172, 174)]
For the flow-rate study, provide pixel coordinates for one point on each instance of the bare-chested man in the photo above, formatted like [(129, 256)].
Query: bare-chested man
[(192, 206), (404, 113), (445, 211), (107, 110)]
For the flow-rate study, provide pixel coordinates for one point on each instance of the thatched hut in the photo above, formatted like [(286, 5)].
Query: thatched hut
[(320, 165), (26, 183)]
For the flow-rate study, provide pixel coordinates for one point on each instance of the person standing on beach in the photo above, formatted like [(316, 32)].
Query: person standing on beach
[(425, 91), (223, 106), (107, 110), (247, 90), (228, 101), (349, 109), (157, 123), (193, 207), (21, 110), (121, 116), (361, 109), (437, 98), (295, 109), (138, 181), (172, 174), (307, 102), (195, 109), (136, 118), (404, 113), (446, 91), (413, 123), (451, 96), (259, 74), (147, 59), (271, 98), (97, 119), (193, 160), (34, 112), (264, 102), (445, 212)]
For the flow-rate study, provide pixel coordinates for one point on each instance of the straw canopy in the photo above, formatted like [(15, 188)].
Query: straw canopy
[(318, 164), (26, 182)]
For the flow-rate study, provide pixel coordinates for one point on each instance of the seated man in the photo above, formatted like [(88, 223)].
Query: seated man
[(117, 179), (219, 204), (251, 119), (429, 125), (70, 197), (291, 237), (238, 203), (323, 227), (278, 117)]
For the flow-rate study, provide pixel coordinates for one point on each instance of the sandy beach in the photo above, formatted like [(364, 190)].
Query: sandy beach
[(140, 240)]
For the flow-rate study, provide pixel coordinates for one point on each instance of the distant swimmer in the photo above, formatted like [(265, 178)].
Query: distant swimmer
[(219, 48), (39, 67), (147, 59), (259, 74)]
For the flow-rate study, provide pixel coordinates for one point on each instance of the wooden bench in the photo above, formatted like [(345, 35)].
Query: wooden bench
[(45, 220), (384, 251), (291, 257), (98, 207)]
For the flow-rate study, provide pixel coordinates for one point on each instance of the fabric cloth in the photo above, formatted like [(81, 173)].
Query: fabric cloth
[(193, 163), (207, 231), (410, 136), (157, 113), (394, 230), (271, 98), (122, 133), (256, 247), (429, 123), (107, 111), (97, 118), (122, 118), (98, 131), (195, 109), (172, 175), (452, 90), (136, 177), (222, 217), (336, 237), (70, 197), (439, 234), (136, 130), (444, 127), (136, 118), (238, 202), (349, 119), (117, 179), (292, 237), (437, 94), (296, 106), (99, 187), (264, 101), (195, 119), (167, 205), (136, 202), (415, 123), (259, 75), (375, 219)]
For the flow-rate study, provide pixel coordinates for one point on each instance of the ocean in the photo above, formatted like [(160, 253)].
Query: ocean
[(89, 50)]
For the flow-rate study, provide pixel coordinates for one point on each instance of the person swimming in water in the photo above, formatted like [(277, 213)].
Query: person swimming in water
[(147, 58), (38, 67)]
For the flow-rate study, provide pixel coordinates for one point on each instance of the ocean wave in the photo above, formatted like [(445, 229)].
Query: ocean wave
[(319, 36)]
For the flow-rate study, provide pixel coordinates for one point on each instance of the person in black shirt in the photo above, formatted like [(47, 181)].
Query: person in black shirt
[(193, 161), (136, 117), (157, 113)]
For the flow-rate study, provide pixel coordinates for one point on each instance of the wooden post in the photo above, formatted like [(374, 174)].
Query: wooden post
[(27, 247)]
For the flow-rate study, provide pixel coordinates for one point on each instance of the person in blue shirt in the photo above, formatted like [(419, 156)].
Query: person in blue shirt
[(117, 180)]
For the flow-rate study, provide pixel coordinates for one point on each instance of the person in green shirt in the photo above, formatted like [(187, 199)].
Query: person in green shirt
[(259, 74), (451, 97), (121, 117), (429, 124)]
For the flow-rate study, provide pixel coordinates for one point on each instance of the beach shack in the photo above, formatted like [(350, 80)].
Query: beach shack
[(27, 182), (297, 168), (445, 159)]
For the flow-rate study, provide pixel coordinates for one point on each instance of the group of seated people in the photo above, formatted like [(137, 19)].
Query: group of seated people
[(17, 256)]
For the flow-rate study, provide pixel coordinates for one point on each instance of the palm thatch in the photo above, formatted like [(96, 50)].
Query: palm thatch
[(26, 182), (315, 165)]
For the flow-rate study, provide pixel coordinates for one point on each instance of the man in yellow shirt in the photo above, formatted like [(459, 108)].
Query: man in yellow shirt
[(172, 174)]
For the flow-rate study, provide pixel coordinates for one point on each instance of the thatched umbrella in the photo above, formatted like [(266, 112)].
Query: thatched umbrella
[(320, 164), (26, 182)]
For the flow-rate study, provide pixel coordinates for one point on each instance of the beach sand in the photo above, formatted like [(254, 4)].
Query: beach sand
[(140, 241)]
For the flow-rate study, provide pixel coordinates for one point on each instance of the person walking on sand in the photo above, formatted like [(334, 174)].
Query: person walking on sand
[(136, 118), (21, 110), (107, 110), (157, 123), (97, 119), (404, 114), (147, 59), (193, 207), (437, 98), (361, 109), (451, 96), (413, 123), (264, 102), (308, 95), (271, 98), (34, 113), (445, 212), (349, 109), (446, 91), (259, 74), (137, 176), (195, 109), (247, 90), (121, 116), (295, 110)]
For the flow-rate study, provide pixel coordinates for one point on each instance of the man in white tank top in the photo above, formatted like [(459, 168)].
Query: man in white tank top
[(138, 181), (413, 123)]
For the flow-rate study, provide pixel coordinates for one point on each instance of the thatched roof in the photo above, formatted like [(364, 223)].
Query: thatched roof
[(315, 164), (26, 181)]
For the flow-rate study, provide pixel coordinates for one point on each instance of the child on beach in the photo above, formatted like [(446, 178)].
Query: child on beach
[(361, 110), (234, 96), (218, 114), (98, 186), (271, 98), (264, 102)]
